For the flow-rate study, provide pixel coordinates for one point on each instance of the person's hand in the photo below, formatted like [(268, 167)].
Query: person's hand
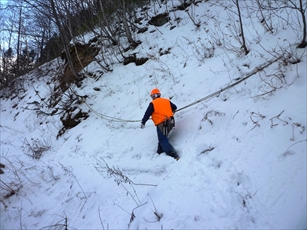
[(142, 126)]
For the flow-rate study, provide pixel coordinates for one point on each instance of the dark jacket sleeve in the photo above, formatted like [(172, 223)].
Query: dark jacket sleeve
[(149, 111), (174, 107)]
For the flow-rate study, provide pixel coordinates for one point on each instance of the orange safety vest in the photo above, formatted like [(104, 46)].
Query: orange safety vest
[(162, 110)]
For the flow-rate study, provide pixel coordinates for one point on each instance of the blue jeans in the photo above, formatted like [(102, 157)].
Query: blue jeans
[(165, 145)]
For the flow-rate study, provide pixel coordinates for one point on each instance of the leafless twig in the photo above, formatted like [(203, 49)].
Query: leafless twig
[(215, 113), (277, 117), (295, 124), (256, 114)]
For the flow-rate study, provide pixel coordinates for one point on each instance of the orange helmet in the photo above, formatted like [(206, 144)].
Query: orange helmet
[(155, 91)]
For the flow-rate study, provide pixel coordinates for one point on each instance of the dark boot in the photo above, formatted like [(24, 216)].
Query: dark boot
[(173, 154)]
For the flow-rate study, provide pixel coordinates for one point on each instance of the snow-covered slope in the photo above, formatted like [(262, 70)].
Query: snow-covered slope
[(243, 151)]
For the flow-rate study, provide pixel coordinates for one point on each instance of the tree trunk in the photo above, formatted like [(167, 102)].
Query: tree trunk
[(241, 28), (123, 15), (303, 43), (18, 43)]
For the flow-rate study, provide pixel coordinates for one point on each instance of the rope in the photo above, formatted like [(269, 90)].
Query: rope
[(105, 116), (232, 85), (194, 103)]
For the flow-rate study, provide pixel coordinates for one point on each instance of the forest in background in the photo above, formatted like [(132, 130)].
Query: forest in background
[(34, 32)]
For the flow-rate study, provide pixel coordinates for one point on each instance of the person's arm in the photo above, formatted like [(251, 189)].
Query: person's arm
[(174, 107), (149, 111)]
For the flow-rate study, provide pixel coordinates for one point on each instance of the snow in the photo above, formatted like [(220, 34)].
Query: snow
[(242, 152)]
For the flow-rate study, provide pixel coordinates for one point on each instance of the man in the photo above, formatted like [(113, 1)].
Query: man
[(161, 111)]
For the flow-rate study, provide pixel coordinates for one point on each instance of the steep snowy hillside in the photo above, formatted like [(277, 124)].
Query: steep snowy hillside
[(240, 133)]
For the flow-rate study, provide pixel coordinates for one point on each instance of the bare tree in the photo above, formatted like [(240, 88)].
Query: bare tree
[(234, 24), (302, 10), (246, 51), (18, 41), (13, 39), (105, 23), (293, 5), (123, 14)]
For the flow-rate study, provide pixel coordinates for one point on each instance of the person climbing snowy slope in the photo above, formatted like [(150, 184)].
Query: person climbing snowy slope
[(161, 111)]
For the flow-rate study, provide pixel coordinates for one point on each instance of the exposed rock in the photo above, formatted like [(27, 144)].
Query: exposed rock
[(81, 55), (142, 30), (159, 20), (138, 61), (70, 120)]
